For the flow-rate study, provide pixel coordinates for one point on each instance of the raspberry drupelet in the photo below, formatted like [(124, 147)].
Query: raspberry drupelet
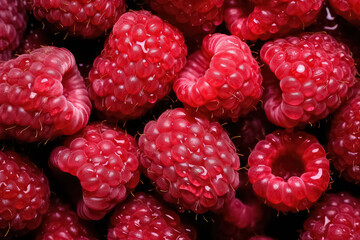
[(12, 26), (193, 164), (60, 223), (336, 217), (145, 218), (192, 17), (348, 9), (305, 78), (42, 96), (289, 170), (344, 140), (138, 65), (24, 194), (87, 19), (105, 161), (266, 19), (223, 80)]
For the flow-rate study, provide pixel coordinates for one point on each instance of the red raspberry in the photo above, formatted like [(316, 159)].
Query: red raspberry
[(35, 37), (60, 223), (265, 19), (306, 78), (344, 140), (144, 217), (222, 80), (141, 58), (12, 26), (192, 17), (85, 18), (24, 193), (105, 161), (348, 9), (42, 95), (337, 217), (289, 170)]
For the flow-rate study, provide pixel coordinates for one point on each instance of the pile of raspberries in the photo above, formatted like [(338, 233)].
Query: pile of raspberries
[(179, 119)]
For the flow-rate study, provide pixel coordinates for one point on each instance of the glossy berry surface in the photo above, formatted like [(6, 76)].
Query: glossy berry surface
[(104, 159), (192, 17), (144, 217), (336, 217), (12, 26), (42, 96), (60, 223), (223, 80), (266, 19), (138, 65), (87, 19), (344, 140), (348, 9), (305, 78), (24, 193), (191, 161), (289, 170)]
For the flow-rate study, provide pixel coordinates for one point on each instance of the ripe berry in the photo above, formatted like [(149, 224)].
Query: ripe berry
[(24, 193), (140, 60), (344, 140), (104, 159), (223, 80), (87, 19), (306, 78), (265, 19), (42, 95), (348, 9), (336, 217), (192, 17), (289, 170), (12, 26), (60, 223), (144, 217)]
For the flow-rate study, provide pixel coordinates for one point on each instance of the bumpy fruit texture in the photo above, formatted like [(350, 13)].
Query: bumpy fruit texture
[(42, 96), (35, 37), (87, 19), (348, 9), (145, 218), (336, 217), (104, 159), (24, 193), (192, 17), (266, 19), (289, 170), (191, 161), (344, 140), (305, 78), (12, 26), (60, 223), (138, 65), (223, 80)]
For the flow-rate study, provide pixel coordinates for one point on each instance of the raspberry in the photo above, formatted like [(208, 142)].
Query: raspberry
[(24, 193), (344, 140), (348, 9), (35, 37), (87, 19), (265, 19), (192, 17), (42, 95), (306, 78), (104, 159), (222, 80), (336, 217), (141, 58), (144, 217), (12, 26), (61, 223), (289, 170)]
